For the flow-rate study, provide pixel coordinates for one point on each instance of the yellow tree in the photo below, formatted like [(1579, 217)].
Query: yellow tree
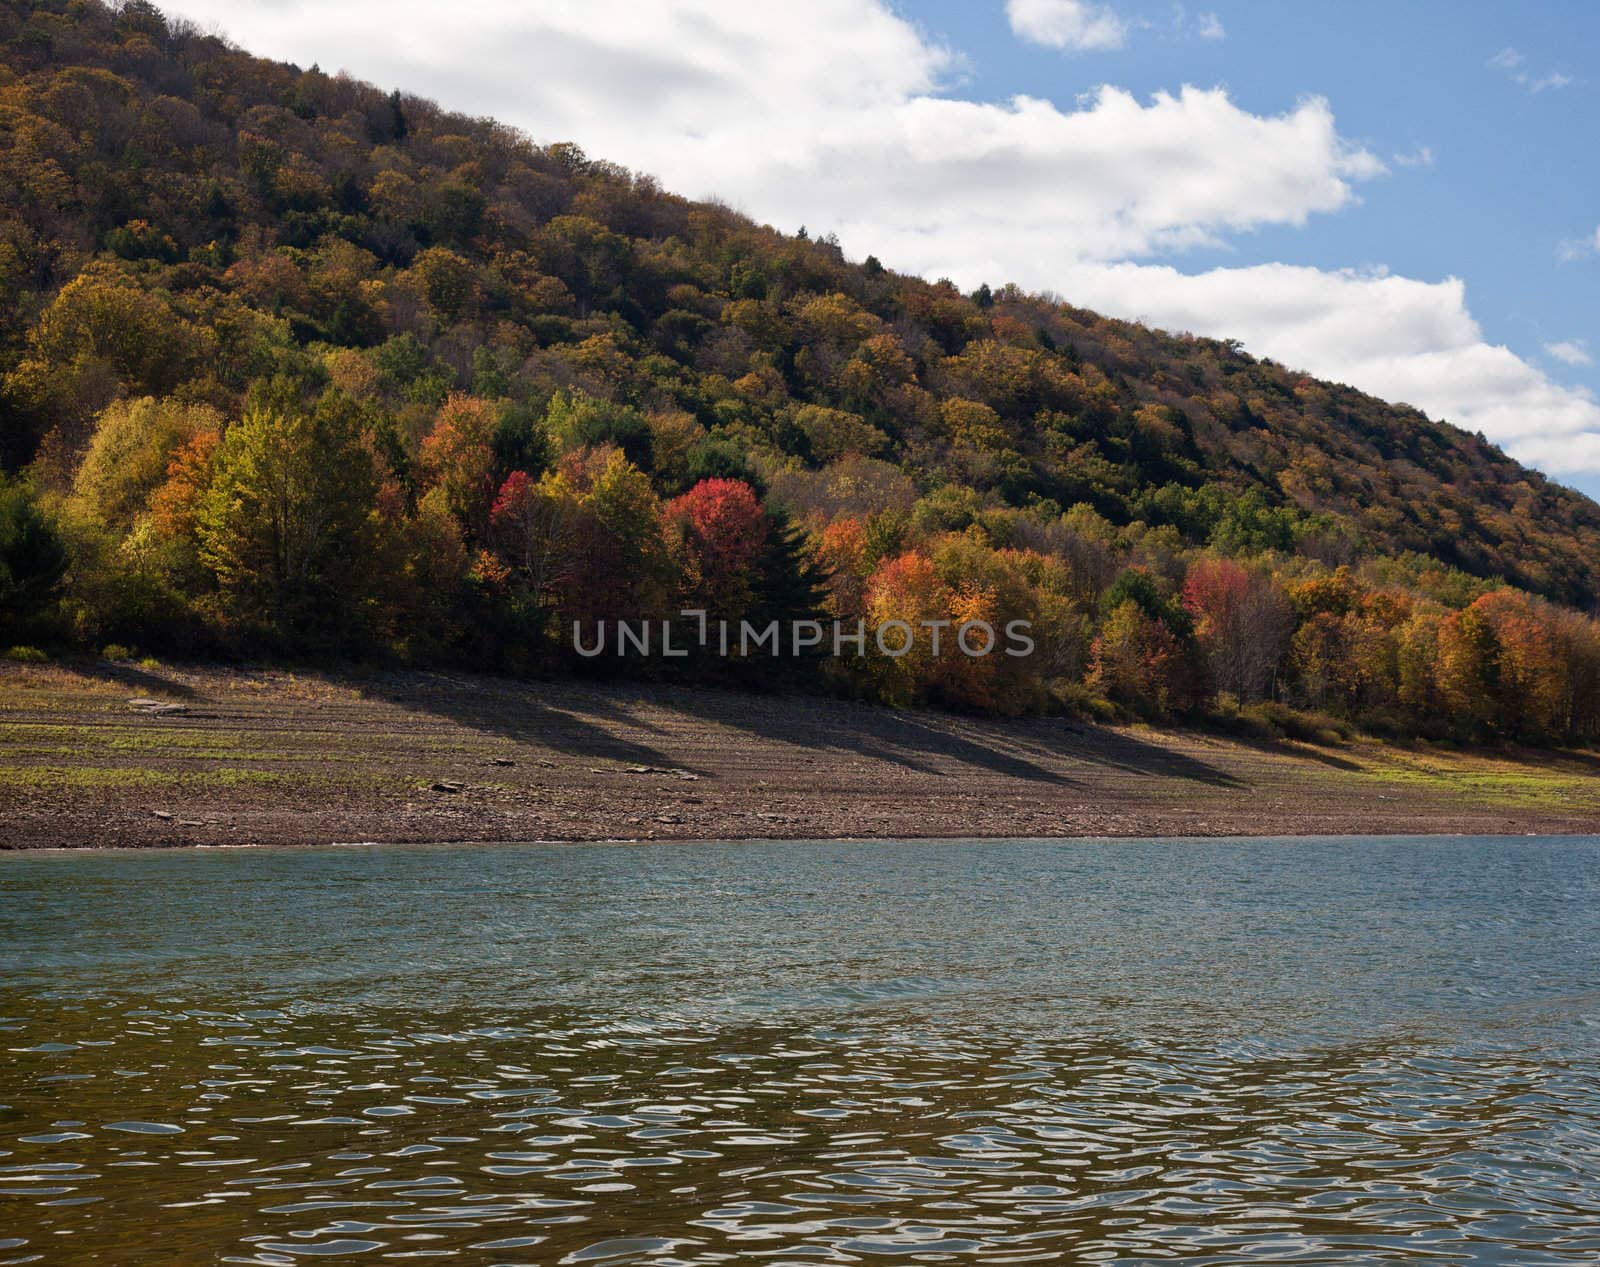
[(289, 526)]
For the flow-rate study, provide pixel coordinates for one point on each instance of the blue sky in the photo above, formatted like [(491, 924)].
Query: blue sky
[(1512, 174), (1398, 195)]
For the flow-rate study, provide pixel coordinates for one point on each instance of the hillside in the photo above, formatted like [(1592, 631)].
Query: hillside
[(289, 363)]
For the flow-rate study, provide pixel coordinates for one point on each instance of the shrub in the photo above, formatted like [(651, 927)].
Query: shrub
[(1272, 719)]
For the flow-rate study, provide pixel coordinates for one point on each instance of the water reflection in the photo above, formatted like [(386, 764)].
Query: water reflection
[(1370, 1052), (268, 1138)]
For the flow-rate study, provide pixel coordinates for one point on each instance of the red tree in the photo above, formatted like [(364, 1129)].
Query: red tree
[(721, 531), (1242, 623)]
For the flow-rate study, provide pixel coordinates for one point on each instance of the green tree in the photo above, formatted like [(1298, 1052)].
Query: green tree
[(133, 442), (621, 567), (288, 525), (578, 420), (1138, 662), (33, 557)]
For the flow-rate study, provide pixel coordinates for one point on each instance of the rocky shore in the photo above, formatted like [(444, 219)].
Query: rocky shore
[(105, 755)]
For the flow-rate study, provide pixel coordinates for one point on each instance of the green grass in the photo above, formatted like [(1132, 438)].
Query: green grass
[(44, 778), (1485, 779), (45, 739), (47, 779)]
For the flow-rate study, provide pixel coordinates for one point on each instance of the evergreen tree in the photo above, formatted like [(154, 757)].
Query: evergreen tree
[(33, 558)]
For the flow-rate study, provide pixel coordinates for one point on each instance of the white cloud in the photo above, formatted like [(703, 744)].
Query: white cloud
[(840, 125), (1211, 27), (1399, 338), (847, 123), (1572, 249), (1551, 79), (954, 186), (1074, 25), (1422, 156), (1570, 352), (1512, 62)]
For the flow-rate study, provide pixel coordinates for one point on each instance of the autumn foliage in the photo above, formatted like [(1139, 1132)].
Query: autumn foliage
[(720, 531), (292, 364)]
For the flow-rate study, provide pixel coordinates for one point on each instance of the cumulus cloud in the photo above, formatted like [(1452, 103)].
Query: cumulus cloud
[(844, 125), (1073, 25), (1570, 352), (849, 122), (964, 188), (1396, 337), (1211, 27)]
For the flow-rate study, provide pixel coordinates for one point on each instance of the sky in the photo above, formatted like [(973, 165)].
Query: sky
[(1397, 195)]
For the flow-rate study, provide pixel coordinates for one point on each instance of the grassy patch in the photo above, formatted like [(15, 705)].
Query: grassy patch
[(45, 778), (1488, 780), (143, 739), (39, 739)]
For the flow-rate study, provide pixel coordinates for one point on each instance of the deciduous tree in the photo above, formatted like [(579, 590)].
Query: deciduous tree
[(288, 525)]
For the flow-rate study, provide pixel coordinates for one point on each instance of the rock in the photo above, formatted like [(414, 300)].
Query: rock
[(157, 708), (649, 769), (448, 787), (162, 815), (502, 761)]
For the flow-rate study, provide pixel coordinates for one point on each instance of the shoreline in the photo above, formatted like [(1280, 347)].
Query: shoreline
[(797, 841), (100, 755)]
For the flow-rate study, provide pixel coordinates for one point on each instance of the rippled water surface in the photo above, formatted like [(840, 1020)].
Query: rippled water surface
[(1348, 1052)]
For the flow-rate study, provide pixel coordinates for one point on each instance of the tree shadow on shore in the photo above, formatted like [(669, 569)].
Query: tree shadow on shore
[(1030, 749), (668, 727), (143, 681), (609, 721), (591, 723)]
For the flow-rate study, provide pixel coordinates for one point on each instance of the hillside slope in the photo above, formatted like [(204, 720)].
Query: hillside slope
[(510, 386)]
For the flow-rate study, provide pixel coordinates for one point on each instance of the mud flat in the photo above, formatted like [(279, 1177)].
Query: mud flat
[(116, 755)]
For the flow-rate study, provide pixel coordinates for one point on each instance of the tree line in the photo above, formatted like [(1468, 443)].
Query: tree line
[(290, 365)]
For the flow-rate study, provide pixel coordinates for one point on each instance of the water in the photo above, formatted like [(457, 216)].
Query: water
[(1347, 1052)]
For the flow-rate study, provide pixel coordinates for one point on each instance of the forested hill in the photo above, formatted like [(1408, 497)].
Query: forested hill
[(451, 339)]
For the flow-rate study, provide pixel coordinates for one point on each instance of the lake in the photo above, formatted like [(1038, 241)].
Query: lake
[(1210, 1052)]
